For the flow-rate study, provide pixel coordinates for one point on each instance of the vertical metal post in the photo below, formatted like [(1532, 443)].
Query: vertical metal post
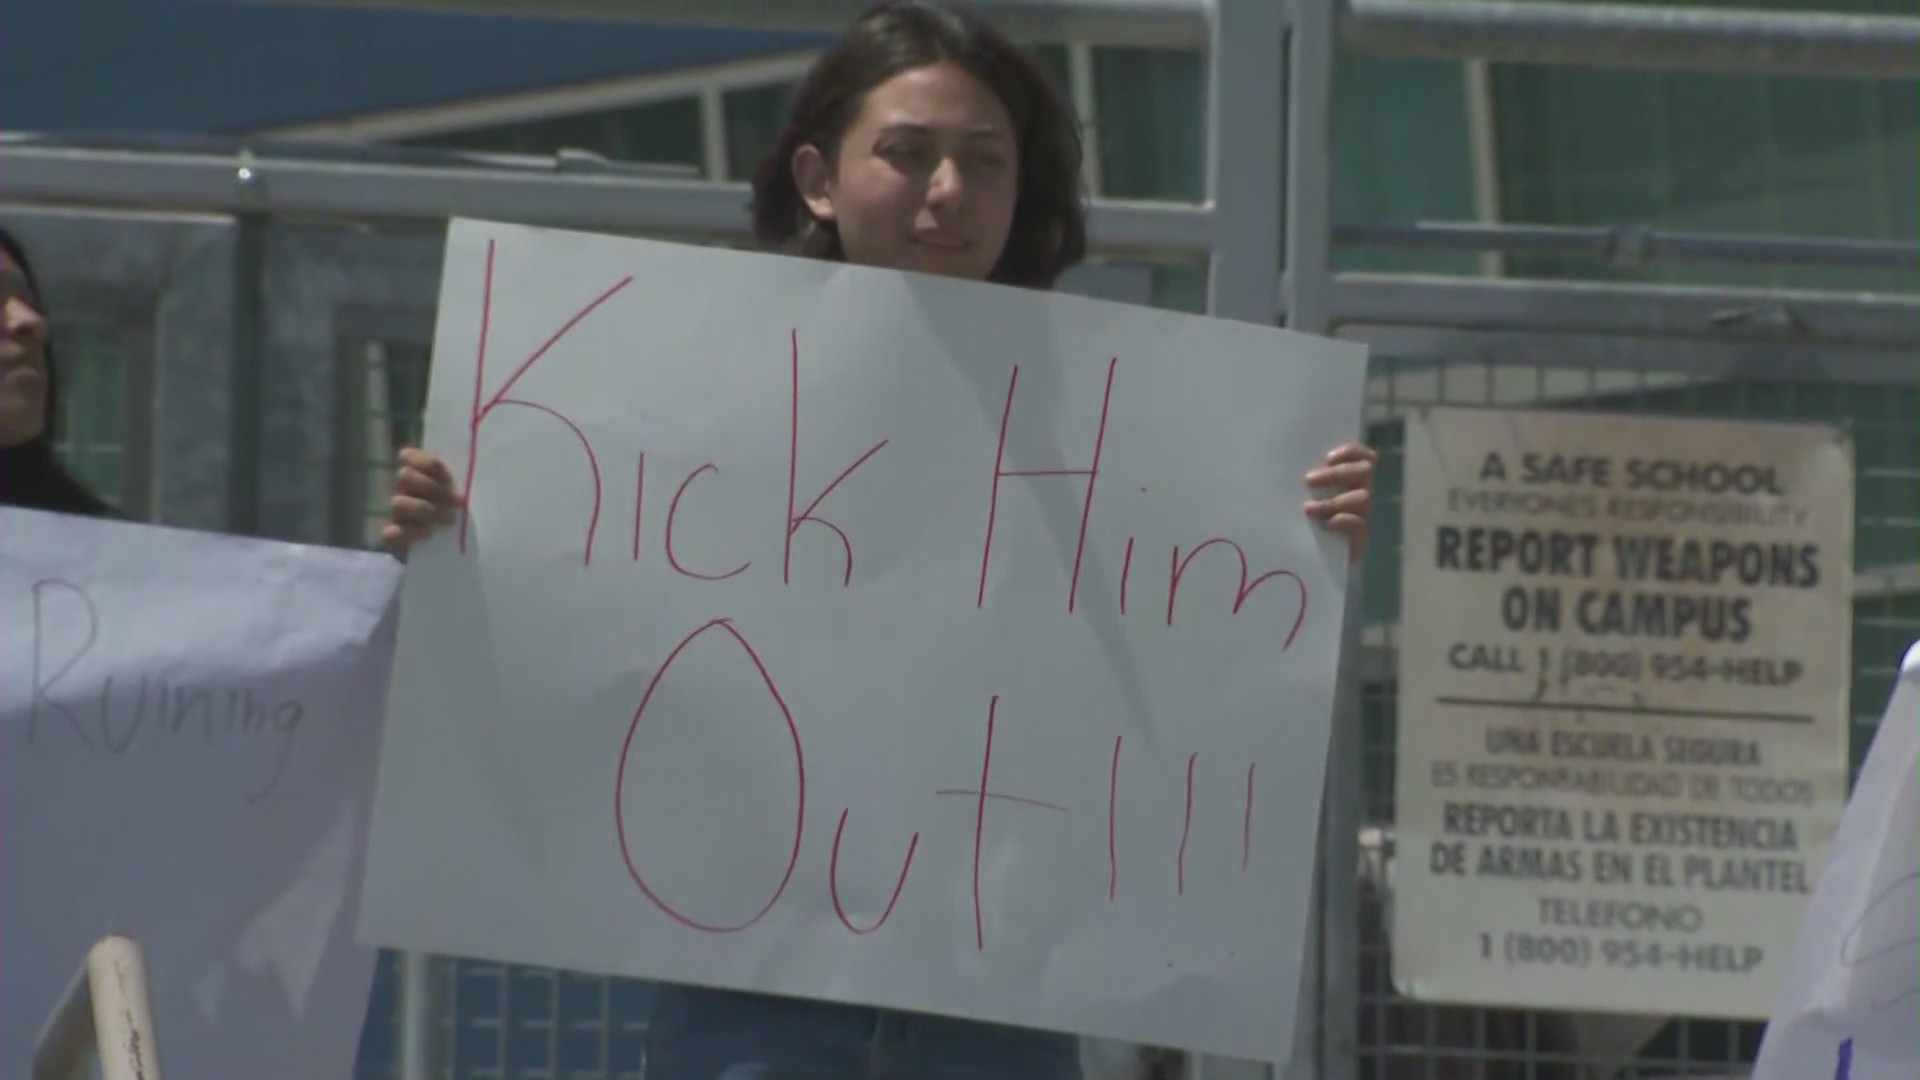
[(1341, 808), (1308, 244), (1086, 105), (246, 383), (419, 1017), (1245, 97), (1307, 299), (1483, 148), (715, 155)]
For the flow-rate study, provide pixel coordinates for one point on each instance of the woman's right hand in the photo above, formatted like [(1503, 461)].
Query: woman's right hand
[(423, 500)]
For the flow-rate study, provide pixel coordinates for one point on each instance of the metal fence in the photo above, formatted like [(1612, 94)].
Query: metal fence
[(1832, 380), (254, 325)]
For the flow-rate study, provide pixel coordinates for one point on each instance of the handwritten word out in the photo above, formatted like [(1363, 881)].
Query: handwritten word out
[(764, 833)]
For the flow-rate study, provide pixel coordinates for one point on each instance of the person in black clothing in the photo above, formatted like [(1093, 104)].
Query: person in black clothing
[(31, 476)]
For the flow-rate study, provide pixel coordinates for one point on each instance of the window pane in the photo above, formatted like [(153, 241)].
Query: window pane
[(1400, 155), (1180, 286), (93, 362), (666, 132), (755, 117), (1052, 60), (661, 133), (1400, 149), (1714, 153), (1148, 106), (395, 395)]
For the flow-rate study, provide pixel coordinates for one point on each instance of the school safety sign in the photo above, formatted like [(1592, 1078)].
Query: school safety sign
[(1622, 741)]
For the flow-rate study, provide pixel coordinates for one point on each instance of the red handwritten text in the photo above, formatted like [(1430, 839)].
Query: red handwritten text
[(833, 880), (639, 501), (1246, 824), (1001, 472), (799, 768), (1180, 561), (794, 521), (673, 512), (480, 412), (1113, 807), (1178, 565), (1186, 829), (1179, 568)]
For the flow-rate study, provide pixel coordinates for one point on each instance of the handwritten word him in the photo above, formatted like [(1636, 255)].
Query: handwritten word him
[(808, 505), (127, 709), (981, 796)]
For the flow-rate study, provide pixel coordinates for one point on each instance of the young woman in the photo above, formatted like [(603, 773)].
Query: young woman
[(31, 476), (923, 140)]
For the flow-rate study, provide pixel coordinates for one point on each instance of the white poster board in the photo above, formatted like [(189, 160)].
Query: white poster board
[(1846, 1009), (189, 726), (1623, 706), (842, 633)]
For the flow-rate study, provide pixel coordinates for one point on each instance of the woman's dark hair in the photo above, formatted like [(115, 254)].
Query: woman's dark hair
[(1049, 232), (31, 475)]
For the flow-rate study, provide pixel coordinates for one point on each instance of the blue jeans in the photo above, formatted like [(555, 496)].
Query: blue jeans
[(703, 1034)]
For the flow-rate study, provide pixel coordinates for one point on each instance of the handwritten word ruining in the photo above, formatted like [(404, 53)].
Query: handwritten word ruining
[(112, 719)]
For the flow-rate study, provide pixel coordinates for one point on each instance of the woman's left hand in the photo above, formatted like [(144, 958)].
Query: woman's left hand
[(1347, 476)]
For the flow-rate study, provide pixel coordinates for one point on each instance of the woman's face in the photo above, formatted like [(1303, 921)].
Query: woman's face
[(925, 178), (23, 357)]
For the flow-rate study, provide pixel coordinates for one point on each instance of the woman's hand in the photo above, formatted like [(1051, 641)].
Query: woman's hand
[(423, 500), (1347, 476)]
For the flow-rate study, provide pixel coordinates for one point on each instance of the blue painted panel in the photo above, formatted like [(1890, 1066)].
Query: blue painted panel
[(97, 66)]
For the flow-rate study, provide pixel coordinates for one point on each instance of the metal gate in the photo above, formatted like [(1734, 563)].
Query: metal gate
[(1695, 353)]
